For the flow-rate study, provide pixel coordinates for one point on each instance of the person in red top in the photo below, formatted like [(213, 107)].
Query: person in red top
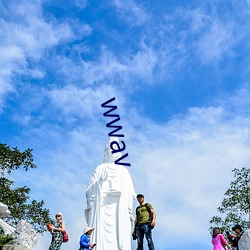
[(218, 240)]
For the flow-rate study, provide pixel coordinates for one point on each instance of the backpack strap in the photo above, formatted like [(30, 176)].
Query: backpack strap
[(137, 210), (147, 207)]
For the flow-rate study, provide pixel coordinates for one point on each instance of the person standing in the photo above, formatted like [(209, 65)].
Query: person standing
[(143, 225), (218, 240), (56, 231), (85, 239)]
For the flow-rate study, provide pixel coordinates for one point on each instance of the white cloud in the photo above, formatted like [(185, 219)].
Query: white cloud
[(143, 63), (198, 19), (190, 34), (10, 58), (131, 12), (105, 69), (80, 3), (240, 101), (217, 42), (82, 102), (121, 71), (31, 33), (25, 35)]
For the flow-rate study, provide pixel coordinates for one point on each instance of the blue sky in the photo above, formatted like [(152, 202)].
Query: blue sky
[(179, 71)]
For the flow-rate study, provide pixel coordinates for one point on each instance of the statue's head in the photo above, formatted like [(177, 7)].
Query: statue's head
[(108, 156)]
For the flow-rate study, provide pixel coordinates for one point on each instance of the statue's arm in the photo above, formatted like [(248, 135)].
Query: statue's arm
[(90, 191), (93, 185)]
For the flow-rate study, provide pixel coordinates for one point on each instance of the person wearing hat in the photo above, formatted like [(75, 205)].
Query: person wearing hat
[(56, 231), (85, 239), (239, 231), (144, 223)]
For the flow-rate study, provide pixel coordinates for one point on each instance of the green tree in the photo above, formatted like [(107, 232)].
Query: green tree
[(235, 207), (17, 199)]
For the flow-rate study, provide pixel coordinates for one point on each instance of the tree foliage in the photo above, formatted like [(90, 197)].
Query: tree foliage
[(17, 199), (13, 158), (235, 207), (6, 239)]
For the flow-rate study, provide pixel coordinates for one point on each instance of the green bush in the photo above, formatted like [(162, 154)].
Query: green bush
[(6, 240)]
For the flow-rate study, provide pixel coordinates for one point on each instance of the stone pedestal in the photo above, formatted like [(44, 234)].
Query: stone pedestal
[(13, 247)]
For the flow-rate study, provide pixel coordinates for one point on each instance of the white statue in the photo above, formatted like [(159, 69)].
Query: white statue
[(4, 212), (25, 237), (110, 197), (244, 242)]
